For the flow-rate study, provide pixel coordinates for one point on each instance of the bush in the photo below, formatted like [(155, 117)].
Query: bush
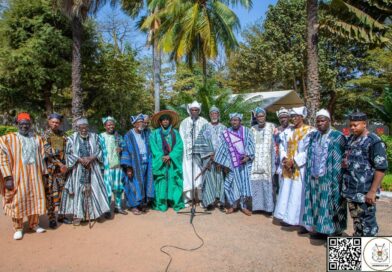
[(7, 129), (387, 183), (388, 141)]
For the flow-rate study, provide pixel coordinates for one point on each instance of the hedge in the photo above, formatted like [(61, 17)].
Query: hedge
[(7, 129), (388, 141)]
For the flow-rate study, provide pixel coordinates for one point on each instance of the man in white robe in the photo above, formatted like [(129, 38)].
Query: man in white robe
[(290, 203), (191, 126)]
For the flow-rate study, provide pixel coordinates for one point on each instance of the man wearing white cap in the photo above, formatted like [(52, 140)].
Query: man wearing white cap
[(325, 209), (281, 136), (190, 128), (84, 194), (290, 202)]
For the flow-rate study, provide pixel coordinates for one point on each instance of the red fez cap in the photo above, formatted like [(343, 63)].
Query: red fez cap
[(23, 116)]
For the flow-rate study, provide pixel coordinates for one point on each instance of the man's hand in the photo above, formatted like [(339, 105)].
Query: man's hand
[(130, 173), (245, 160), (370, 198), (9, 183), (119, 149), (166, 159), (212, 156), (63, 168)]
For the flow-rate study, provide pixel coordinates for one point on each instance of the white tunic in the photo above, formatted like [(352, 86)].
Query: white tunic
[(290, 203), (186, 136)]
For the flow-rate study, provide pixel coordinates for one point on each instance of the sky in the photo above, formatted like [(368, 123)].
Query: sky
[(138, 39)]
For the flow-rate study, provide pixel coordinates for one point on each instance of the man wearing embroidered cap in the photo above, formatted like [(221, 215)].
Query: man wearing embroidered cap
[(84, 194), (365, 163), (263, 164), (136, 161), (206, 145), (281, 136), (112, 144), (236, 153), (54, 144), (191, 127), (325, 209), (166, 147), (23, 168), (290, 202)]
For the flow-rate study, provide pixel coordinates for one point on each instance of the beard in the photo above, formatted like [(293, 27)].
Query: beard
[(215, 120)]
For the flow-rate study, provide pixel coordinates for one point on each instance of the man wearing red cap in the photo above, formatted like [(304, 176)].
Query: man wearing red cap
[(23, 168)]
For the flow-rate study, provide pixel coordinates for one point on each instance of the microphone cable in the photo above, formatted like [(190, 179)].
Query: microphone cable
[(180, 248)]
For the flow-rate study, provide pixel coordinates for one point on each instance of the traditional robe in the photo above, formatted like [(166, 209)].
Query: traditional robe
[(167, 178), (263, 168), (206, 144), (186, 135), (76, 200), (112, 172), (54, 145), (234, 146), (23, 158), (325, 208), (290, 203), (137, 155)]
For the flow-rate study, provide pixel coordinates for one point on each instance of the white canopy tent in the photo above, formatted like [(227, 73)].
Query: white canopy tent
[(273, 101)]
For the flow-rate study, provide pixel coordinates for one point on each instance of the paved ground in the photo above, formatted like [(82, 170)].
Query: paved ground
[(131, 243)]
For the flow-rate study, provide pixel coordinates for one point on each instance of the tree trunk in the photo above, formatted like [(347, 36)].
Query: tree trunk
[(156, 56), (204, 66), (312, 76), (77, 92)]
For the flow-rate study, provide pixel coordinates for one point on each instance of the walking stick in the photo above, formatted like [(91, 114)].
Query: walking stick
[(87, 195)]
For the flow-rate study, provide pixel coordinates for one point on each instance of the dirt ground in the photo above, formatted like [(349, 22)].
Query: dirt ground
[(132, 243)]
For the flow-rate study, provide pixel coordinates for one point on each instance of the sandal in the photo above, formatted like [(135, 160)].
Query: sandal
[(136, 211), (229, 210)]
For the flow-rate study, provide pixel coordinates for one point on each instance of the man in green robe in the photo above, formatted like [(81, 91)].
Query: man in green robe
[(166, 147), (325, 209)]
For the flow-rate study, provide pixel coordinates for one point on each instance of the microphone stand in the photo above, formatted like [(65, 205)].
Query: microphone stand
[(193, 211)]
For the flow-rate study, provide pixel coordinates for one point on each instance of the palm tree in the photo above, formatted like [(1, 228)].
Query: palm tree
[(346, 20), (312, 74), (77, 11), (195, 29), (149, 24)]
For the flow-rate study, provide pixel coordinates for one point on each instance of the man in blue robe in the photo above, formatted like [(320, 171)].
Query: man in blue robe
[(137, 165), (236, 153)]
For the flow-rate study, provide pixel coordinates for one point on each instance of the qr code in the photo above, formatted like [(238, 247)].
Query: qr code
[(344, 254)]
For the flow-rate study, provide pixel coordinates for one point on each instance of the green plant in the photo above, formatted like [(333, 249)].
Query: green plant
[(7, 129), (387, 183), (388, 141)]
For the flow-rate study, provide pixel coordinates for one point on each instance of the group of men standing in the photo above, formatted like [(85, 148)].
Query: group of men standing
[(302, 176)]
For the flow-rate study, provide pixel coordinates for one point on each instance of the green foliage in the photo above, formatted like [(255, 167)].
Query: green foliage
[(273, 54), (357, 20), (194, 29), (7, 129), (388, 141), (115, 87), (35, 55), (387, 183)]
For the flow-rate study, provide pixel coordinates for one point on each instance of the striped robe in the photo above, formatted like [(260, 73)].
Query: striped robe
[(325, 208), (206, 144), (237, 181), (139, 190), (73, 200), (111, 176), (29, 197)]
